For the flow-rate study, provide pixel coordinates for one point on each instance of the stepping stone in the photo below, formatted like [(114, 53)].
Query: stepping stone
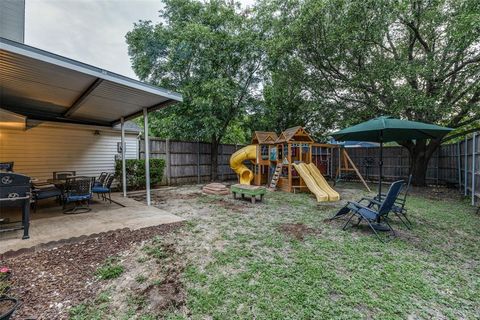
[(216, 188)]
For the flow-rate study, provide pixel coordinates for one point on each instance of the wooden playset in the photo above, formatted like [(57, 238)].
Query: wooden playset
[(291, 161)]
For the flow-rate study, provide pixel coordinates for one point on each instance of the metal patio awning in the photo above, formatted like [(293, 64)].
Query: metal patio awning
[(44, 86)]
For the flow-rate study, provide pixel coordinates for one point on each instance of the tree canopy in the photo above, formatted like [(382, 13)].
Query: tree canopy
[(209, 52), (322, 64)]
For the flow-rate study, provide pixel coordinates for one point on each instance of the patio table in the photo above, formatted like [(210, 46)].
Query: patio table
[(60, 183)]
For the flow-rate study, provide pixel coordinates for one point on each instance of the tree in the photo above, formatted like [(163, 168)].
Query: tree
[(209, 52), (286, 97), (412, 59)]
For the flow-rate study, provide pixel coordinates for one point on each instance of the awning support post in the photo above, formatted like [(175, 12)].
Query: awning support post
[(147, 155), (124, 166)]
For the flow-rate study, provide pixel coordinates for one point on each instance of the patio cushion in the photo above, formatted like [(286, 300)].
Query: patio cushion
[(49, 193), (100, 189), (79, 198)]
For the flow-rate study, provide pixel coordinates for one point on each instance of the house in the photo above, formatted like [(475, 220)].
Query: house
[(60, 114), (38, 148)]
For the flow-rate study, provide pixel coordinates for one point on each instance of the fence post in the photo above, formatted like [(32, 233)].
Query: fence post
[(198, 161), (167, 158), (219, 163), (437, 171), (459, 166), (465, 162), (473, 167)]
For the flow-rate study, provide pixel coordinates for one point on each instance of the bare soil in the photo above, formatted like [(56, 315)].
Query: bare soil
[(49, 282), (440, 193), (297, 231)]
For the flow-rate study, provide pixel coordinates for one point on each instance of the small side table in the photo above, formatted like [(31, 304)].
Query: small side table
[(245, 189)]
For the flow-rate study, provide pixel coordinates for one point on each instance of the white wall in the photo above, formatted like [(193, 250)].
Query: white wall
[(39, 151), (12, 20)]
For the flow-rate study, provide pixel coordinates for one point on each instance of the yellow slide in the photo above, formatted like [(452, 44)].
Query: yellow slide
[(322, 183), (312, 185), (236, 163)]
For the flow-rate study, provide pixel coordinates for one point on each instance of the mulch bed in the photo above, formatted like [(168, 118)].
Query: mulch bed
[(49, 281)]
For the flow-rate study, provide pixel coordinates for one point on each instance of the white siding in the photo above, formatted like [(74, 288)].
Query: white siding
[(39, 151), (12, 20)]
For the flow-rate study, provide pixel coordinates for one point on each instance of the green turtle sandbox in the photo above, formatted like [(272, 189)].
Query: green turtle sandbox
[(249, 190)]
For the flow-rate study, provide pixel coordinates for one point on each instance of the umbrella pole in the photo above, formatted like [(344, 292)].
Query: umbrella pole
[(380, 167)]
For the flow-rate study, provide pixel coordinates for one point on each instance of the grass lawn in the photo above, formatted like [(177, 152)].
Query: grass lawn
[(281, 260)]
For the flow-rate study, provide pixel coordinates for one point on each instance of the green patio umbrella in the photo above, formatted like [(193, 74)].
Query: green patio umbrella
[(386, 129)]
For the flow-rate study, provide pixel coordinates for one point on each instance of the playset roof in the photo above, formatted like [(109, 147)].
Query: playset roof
[(264, 137), (295, 134)]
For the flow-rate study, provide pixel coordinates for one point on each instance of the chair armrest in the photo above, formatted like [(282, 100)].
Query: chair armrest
[(358, 205), (370, 200)]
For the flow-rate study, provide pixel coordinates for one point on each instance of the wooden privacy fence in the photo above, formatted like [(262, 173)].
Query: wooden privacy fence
[(453, 164), (189, 162), (469, 166), (442, 168), (456, 164)]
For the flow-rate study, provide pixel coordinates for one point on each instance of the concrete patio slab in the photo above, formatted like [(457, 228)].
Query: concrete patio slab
[(124, 213)]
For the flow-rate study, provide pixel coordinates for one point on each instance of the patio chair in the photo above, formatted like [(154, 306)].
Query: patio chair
[(101, 179), (6, 166), (79, 191), (105, 188), (399, 208), (373, 215), (63, 175), (45, 191)]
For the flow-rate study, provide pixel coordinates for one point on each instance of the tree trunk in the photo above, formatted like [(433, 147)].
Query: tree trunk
[(420, 155), (214, 159)]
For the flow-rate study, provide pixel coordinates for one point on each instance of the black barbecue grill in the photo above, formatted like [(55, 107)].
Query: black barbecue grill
[(15, 192)]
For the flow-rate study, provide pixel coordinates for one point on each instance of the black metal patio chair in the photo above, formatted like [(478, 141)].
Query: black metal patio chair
[(6, 166), (78, 190), (63, 175), (105, 188), (101, 179), (374, 216)]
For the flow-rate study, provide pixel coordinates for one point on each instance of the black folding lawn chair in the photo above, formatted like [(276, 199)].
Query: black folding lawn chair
[(374, 215), (399, 208)]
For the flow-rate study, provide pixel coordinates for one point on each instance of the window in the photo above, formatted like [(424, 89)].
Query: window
[(264, 152)]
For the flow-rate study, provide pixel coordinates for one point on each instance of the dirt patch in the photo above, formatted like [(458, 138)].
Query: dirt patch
[(237, 206), (168, 294), (437, 193), (50, 281), (161, 198), (297, 231)]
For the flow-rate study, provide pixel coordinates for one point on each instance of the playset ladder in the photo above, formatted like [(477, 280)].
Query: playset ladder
[(276, 175)]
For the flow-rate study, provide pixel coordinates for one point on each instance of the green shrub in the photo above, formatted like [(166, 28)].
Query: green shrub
[(136, 172)]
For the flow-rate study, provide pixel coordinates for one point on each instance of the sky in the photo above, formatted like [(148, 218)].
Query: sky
[(90, 31)]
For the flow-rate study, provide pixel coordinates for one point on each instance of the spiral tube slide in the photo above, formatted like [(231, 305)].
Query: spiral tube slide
[(236, 163)]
